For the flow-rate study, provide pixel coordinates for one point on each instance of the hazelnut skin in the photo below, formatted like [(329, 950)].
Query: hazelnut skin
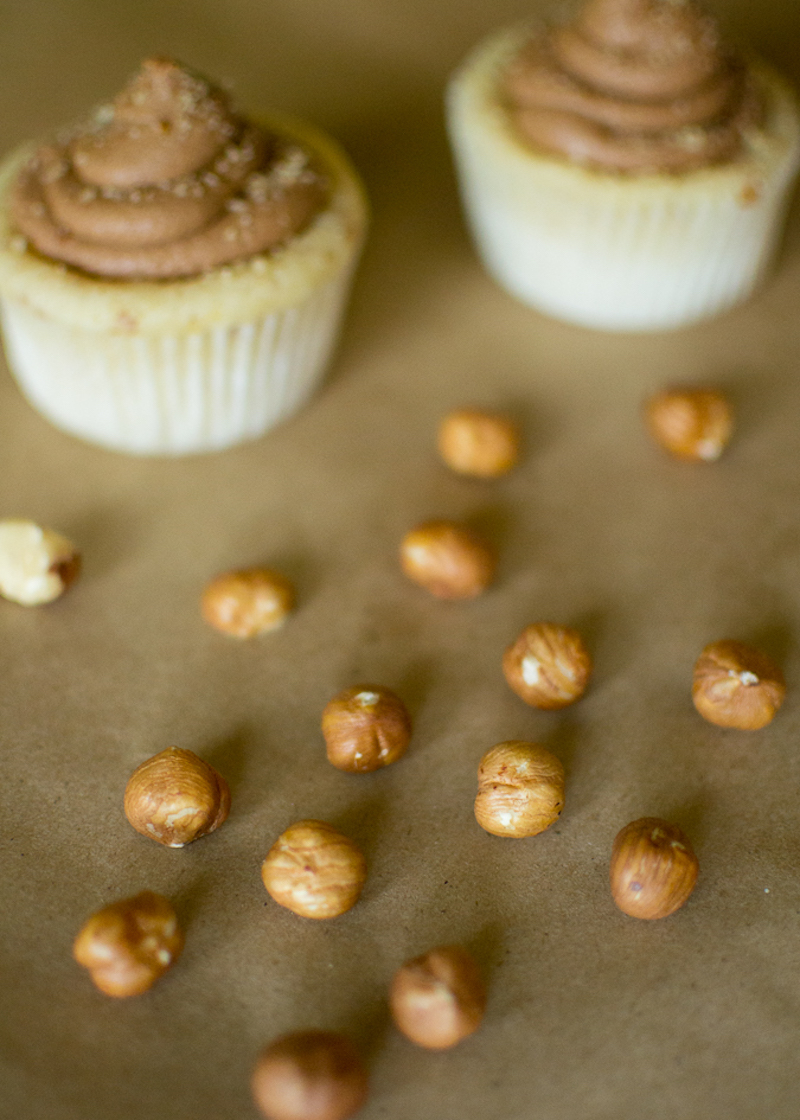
[(175, 797), (737, 686), (478, 443), (247, 603), (548, 666), (520, 790), (365, 727), (314, 870), (309, 1075), (653, 869), (36, 565), (694, 424), (448, 560), (439, 998), (129, 944)]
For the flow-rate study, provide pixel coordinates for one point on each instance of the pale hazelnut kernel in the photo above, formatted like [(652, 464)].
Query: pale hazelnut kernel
[(247, 603), (175, 797), (483, 444), (314, 870), (653, 868), (309, 1075), (520, 789), (737, 686), (36, 565), (126, 946), (447, 559), (548, 666), (365, 727), (439, 998), (690, 423)]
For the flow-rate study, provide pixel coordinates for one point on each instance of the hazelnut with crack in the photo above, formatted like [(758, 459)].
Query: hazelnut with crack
[(735, 685), (447, 559), (314, 870), (653, 868), (36, 565), (478, 443), (520, 789), (247, 603), (309, 1075), (175, 797), (126, 946), (694, 424), (548, 666), (439, 998), (365, 727)]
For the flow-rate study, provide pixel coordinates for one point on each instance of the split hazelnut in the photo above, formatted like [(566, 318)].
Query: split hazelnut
[(36, 565), (520, 789), (439, 998), (314, 870), (737, 686), (129, 944), (365, 727), (653, 868), (690, 423), (548, 666), (310, 1075), (447, 559), (483, 444), (247, 603), (175, 797)]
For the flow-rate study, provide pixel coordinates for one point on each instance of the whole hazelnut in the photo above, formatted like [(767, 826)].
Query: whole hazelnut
[(36, 565), (520, 789), (365, 727), (690, 423), (129, 944), (447, 559), (309, 1075), (653, 868), (474, 442), (314, 870), (737, 686), (548, 666), (247, 603), (174, 798), (439, 998)]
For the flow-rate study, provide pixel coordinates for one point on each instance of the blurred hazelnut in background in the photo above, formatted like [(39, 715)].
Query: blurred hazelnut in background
[(548, 666), (735, 685), (439, 998), (448, 559), (309, 1075), (694, 424), (36, 565), (478, 443), (247, 603)]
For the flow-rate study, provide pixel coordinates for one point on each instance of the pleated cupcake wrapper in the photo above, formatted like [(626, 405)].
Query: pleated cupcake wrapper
[(605, 251), (175, 394)]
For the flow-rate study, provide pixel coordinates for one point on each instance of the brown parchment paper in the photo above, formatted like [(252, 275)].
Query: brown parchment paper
[(592, 1015)]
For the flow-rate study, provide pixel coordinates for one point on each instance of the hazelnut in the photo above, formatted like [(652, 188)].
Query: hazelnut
[(520, 789), (447, 559), (36, 565), (174, 798), (737, 686), (548, 666), (247, 603), (314, 870), (310, 1075), (129, 944), (439, 998), (365, 727), (690, 423), (483, 444), (653, 868)]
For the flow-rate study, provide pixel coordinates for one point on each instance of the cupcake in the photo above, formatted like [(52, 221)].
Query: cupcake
[(173, 275), (627, 169)]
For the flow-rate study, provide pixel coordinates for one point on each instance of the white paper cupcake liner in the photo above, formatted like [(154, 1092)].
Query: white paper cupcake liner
[(611, 251), (175, 393)]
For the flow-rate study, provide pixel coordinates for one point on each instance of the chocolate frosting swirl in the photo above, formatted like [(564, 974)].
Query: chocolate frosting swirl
[(633, 86), (165, 182)]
